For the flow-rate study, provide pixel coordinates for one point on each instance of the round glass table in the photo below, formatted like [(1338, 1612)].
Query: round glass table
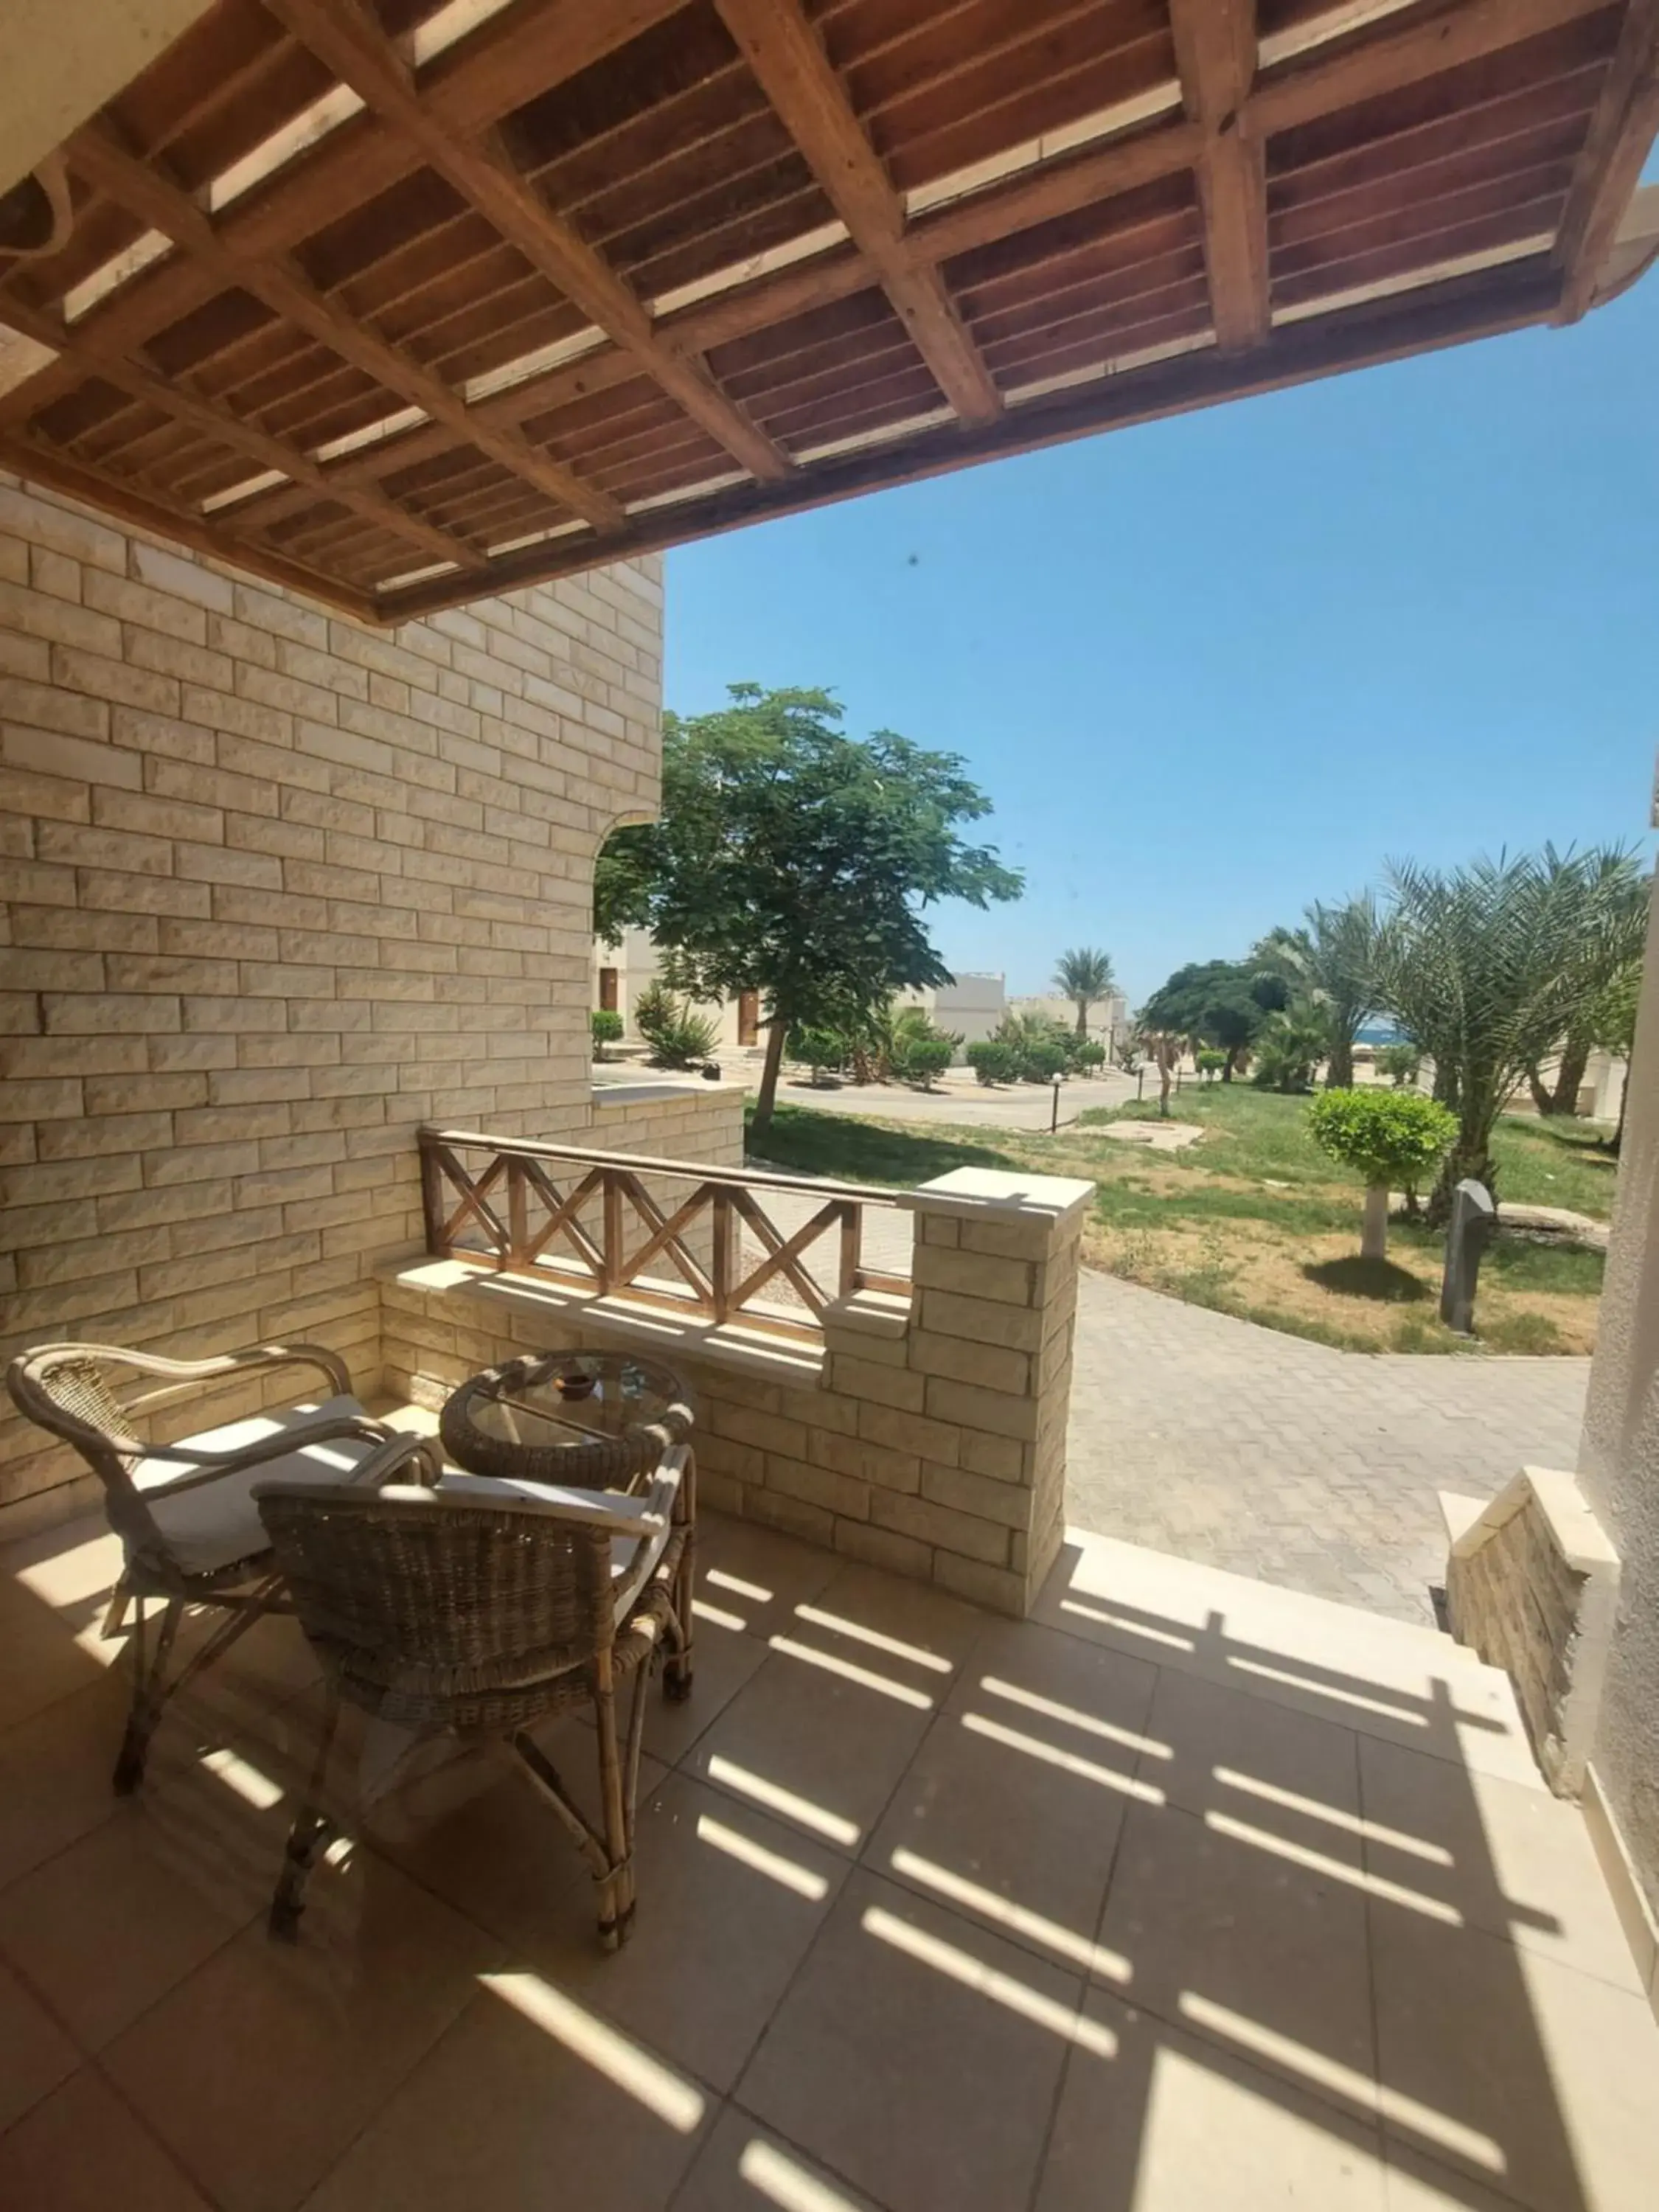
[(598, 1420)]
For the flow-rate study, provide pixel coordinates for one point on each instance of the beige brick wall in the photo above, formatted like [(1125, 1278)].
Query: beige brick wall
[(277, 888)]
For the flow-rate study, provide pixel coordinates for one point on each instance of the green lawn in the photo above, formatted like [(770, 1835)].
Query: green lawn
[(1255, 1220)]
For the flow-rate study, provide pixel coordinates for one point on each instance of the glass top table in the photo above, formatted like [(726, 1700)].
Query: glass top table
[(600, 1420)]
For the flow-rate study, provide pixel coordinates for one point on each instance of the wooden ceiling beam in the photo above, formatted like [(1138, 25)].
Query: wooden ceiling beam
[(1451, 314), (1609, 168), (361, 56), (149, 510), (96, 155), (1215, 44), (216, 420), (1308, 88), (782, 49), (519, 55)]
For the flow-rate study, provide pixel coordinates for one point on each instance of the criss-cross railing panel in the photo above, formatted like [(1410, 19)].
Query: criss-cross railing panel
[(706, 1247)]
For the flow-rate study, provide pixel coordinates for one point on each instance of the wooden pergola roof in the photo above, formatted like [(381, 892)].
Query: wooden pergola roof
[(404, 304)]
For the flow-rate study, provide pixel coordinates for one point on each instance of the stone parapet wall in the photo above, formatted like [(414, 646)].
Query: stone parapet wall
[(927, 1437), (1532, 1585), (277, 888)]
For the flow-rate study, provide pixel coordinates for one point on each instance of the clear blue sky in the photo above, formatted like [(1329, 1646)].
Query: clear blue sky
[(1209, 670)]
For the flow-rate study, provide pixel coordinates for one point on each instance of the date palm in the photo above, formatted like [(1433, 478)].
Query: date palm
[(1085, 977), (1330, 965), (1486, 968)]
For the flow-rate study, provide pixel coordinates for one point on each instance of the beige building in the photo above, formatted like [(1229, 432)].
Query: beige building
[(1107, 1016), (970, 1006)]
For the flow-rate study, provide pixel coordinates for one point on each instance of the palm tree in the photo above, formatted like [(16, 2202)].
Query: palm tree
[(1485, 967), (1330, 965), (1084, 977), (1610, 956)]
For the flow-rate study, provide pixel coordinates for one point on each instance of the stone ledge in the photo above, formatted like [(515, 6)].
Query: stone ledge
[(745, 1350), (993, 1194), (872, 1313)]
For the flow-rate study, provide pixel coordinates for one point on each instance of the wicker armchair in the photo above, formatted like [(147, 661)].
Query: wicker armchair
[(184, 1511), (479, 1608)]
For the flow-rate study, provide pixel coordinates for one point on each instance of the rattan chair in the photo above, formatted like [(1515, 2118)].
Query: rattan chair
[(185, 1512), (479, 1608)]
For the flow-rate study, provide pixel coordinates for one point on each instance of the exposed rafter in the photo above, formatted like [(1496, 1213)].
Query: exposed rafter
[(362, 58), (216, 420), (1609, 168), (1215, 43), (1052, 232), (783, 50)]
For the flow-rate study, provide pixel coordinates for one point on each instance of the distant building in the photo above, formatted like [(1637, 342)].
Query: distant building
[(969, 1008), (1107, 1017)]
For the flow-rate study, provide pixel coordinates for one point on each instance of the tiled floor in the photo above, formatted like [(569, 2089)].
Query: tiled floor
[(1190, 1895)]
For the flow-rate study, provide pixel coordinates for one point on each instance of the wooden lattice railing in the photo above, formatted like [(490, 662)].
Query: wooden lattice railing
[(587, 1220)]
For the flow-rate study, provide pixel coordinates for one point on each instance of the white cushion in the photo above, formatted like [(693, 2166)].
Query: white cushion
[(209, 1527)]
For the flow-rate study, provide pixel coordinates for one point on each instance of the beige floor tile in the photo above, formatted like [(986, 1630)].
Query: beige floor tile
[(80, 2150), (917, 2055), (752, 1576), (55, 1775), (67, 1568), (112, 1923), (818, 1747), (908, 1624), (728, 1903), (36, 2054), (40, 1663), (1336, 1663), (1011, 1810), (1537, 2080), (1241, 1944), (478, 1833), (746, 2167), (1514, 1861), (529, 2102), (723, 1660), (260, 2069), (1414, 2184), (1156, 2121), (1221, 1751)]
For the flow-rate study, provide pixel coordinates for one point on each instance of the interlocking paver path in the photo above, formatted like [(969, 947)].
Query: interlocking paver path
[(1194, 1433)]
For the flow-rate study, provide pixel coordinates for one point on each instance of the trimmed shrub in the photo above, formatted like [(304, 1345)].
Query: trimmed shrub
[(606, 1027), (1084, 1054), (678, 1037), (1210, 1064), (819, 1048), (917, 1057), (1388, 1137), (994, 1060)]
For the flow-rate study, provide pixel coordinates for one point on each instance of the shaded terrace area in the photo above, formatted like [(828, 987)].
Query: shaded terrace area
[(1217, 1895)]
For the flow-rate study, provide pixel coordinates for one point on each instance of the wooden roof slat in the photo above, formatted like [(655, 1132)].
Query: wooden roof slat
[(1621, 130), (1216, 50), (782, 49), (279, 282), (703, 261), (217, 421), (486, 178)]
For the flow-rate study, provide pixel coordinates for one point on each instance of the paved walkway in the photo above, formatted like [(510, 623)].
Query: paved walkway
[(1201, 1435)]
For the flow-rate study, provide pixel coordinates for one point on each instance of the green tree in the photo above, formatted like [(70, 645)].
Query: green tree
[(1608, 955), (1484, 967), (1217, 1002), (1084, 976), (1329, 965), (1388, 1137), (795, 861)]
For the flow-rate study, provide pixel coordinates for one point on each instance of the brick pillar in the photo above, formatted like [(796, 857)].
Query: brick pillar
[(988, 1350)]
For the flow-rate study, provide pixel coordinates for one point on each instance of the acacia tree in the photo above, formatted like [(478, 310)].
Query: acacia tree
[(1330, 965), (1217, 1002), (795, 861), (1084, 976), (1484, 967)]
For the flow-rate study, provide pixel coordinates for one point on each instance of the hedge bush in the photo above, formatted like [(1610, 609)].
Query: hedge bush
[(994, 1060), (606, 1028), (1391, 1138)]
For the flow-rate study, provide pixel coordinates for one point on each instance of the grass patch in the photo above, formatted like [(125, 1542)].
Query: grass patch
[(1254, 1220)]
